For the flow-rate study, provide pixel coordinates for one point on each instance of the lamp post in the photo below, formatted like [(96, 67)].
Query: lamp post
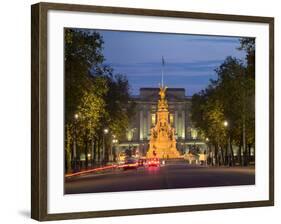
[(208, 156), (114, 141), (105, 132), (74, 156), (182, 147), (111, 148), (225, 123), (194, 137)]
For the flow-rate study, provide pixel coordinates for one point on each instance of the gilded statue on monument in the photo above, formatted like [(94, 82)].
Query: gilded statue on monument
[(162, 142), (162, 102)]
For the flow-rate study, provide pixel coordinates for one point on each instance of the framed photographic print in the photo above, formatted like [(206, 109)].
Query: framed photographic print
[(139, 111)]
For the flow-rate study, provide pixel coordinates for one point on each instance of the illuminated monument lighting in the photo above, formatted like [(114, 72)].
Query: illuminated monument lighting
[(162, 142)]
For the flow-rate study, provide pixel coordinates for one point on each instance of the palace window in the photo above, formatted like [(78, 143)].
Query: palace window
[(172, 119), (194, 133), (153, 119)]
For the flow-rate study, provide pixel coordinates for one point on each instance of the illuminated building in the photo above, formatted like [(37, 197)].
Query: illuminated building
[(138, 133)]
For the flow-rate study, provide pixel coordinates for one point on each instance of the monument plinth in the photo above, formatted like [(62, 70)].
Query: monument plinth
[(162, 142)]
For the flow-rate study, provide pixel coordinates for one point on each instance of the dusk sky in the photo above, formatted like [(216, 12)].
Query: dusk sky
[(190, 60)]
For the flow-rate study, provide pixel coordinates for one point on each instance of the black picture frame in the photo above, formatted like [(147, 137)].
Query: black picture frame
[(39, 106)]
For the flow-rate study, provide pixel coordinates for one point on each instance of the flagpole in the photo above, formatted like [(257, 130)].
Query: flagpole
[(162, 76), (162, 69)]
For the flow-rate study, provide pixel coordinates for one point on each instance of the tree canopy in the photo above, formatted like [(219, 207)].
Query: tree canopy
[(230, 98), (95, 97)]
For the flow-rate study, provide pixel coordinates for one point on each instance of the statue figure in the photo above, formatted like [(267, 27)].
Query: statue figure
[(154, 133), (171, 134), (162, 92), (162, 102)]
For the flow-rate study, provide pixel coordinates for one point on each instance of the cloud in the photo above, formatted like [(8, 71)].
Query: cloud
[(215, 40), (190, 59), (187, 69)]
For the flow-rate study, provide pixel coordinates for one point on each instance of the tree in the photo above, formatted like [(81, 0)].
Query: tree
[(96, 96), (248, 45), (83, 52), (232, 87), (119, 107), (91, 111), (208, 115), (68, 148), (230, 98)]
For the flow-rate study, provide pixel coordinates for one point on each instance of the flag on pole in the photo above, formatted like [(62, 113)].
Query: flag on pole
[(163, 63)]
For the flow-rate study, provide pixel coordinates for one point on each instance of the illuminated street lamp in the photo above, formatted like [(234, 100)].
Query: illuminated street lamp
[(194, 133), (207, 150), (114, 141), (105, 132), (74, 156), (225, 123)]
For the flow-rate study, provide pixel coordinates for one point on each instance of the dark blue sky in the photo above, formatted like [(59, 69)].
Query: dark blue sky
[(190, 60)]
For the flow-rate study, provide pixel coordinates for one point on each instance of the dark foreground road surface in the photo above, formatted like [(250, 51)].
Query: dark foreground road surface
[(172, 175)]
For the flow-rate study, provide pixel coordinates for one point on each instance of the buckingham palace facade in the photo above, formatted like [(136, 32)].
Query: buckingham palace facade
[(138, 133)]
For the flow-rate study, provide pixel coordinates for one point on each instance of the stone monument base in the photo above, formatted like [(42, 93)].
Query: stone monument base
[(162, 142), (171, 153)]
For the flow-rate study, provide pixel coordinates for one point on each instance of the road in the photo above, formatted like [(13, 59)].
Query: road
[(172, 175)]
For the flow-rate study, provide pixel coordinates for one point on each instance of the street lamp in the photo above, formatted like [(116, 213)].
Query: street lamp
[(182, 148), (76, 116), (105, 132), (208, 153), (114, 141), (225, 123)]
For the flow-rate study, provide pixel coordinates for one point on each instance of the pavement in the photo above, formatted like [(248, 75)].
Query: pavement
[(173, 175)]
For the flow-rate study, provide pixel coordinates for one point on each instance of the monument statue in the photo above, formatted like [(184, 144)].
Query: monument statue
[(162, 92), (162, 102), (162, 142)]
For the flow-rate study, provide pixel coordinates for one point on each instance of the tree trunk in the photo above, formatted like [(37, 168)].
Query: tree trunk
[(106, 152), (249, 152), (245, 157), (86, 152), (99, 151), (239, 154), (226, 155), (232, 155), (213, 156), (222, 159), (244, 144), (114, 153), (95, 152), (254, 153), (216, 154)]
